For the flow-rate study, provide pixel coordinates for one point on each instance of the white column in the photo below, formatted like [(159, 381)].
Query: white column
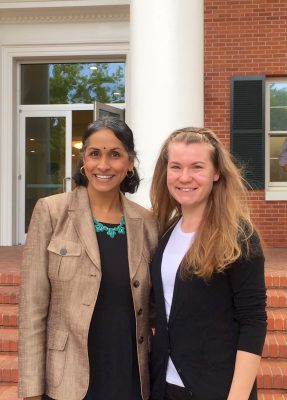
[(7, 150), (165, 75)]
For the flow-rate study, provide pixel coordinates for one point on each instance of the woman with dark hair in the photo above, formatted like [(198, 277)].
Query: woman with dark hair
[(85, 281), (207, 275)]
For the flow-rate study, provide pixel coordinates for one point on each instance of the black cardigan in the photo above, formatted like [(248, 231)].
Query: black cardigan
[(208, 323)]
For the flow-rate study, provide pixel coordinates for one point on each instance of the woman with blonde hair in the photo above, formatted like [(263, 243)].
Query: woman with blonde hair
[(207, 275)]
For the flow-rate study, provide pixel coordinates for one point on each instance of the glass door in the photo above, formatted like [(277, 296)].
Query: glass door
[(45, 160), (50, 142)]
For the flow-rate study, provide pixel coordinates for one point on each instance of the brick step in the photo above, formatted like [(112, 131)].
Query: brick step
[(12, 278), (8, 392), (9, 340), (277, 319), (8, 315), (272, 395), (272, 374), (9, 294), (8, 368), (277, 298), (275, 345), (276, 279)]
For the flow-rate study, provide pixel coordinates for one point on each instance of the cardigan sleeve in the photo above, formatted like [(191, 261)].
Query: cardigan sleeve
[(249, 298)]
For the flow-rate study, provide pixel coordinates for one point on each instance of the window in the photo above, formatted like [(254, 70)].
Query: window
[(259, 132), (73, 83), (276, 133)]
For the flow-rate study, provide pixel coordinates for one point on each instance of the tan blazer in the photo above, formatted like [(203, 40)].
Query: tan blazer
[(60, 280)]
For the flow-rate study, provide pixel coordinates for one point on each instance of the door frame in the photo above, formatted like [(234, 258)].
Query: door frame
[(49, 110), (21, 195), (11, 57)]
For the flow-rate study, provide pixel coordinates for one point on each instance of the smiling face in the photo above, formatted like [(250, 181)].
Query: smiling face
[(190, 175), (106, 162)]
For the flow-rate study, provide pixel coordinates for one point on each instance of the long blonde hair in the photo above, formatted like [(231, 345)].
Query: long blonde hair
[(223, 235)]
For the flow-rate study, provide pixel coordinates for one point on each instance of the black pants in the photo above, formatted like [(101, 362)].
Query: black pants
[(174, 392)]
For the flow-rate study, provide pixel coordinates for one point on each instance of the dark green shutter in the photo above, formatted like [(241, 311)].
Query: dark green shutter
[(248, 128)]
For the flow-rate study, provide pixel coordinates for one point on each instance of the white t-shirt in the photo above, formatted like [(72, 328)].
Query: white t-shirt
[(177, 246)]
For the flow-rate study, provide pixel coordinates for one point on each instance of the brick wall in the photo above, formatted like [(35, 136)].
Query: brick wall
[(246, 37)]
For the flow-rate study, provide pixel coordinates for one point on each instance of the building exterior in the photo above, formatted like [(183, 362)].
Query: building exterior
[(245, 74), (216, 63)]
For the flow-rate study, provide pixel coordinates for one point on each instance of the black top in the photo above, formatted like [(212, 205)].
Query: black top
[(208, 323), (114, 373)]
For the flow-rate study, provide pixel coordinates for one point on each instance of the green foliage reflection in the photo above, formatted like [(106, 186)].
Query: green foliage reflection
[(77, 83)]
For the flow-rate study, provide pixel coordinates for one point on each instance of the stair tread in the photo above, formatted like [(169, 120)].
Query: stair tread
[(275, 345), (9, 333), (8, 368), (8, 392), (9, 289), (272, 395), (274, 363), (9, 294), (276, 279), (9, 315), (272, 374), (277, 319), (9, 338), (9, 309), (8, 360)]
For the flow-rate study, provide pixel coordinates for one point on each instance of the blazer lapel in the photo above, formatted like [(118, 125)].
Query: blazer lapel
[(134, 229), (81, 216)]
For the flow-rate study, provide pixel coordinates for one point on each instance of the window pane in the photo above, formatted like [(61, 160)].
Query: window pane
[(80, 121), (278, 156), (278, 119), (72, 83), (45, 159), (278, 94)]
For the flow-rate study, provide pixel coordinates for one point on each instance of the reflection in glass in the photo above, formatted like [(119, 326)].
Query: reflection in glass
[(104, 113), (73, 83), (278, 119), (80, 121), (278, 94), (45, 160), (277, 173)]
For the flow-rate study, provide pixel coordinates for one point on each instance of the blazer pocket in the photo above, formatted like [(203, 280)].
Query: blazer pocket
[(64, 258), (56, 356)]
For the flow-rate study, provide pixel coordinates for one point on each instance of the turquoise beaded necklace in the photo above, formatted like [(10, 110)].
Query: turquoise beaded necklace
[(111, 232)]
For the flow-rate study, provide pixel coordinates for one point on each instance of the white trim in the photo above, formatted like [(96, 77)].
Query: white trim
[(6, 149), (57, 107), (275, 195), (66, 3), (9, 55), (65, 15)]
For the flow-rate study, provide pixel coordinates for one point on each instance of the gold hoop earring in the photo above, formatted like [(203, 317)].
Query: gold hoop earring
[(132, 172), (81, 170)]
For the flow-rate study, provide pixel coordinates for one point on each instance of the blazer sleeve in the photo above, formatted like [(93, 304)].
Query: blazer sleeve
[(249, 299), (34, 303)]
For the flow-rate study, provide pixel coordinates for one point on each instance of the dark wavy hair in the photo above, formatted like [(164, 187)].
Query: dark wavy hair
[(125, 135)]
